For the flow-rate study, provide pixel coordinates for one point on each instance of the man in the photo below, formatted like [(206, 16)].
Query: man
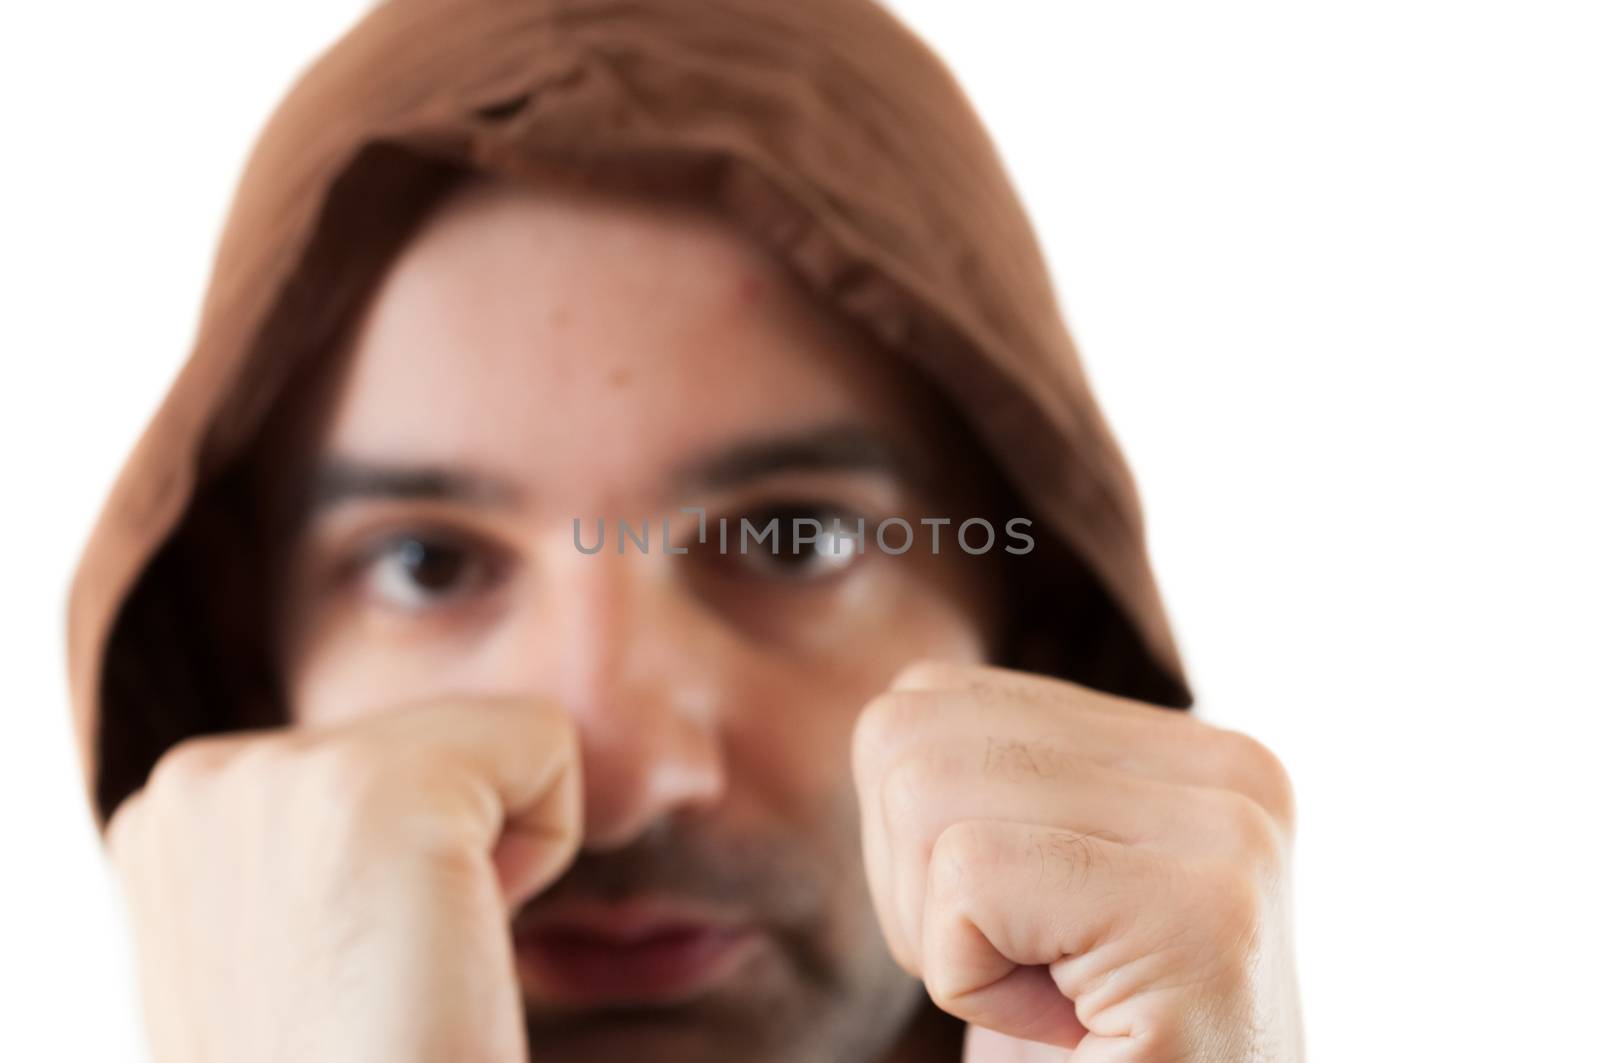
[(435, 697)]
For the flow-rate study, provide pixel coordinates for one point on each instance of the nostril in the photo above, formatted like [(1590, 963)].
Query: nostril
[(502, 110)]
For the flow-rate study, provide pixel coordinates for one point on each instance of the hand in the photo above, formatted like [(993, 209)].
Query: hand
[(346, 894), (1079, 876)]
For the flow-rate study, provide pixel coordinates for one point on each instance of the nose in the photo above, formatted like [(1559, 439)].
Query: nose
[(645, 672)]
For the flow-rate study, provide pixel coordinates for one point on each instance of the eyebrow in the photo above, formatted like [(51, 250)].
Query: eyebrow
[(339, 480), (831, 448)]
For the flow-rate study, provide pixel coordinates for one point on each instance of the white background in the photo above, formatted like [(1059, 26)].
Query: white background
[(1335, 271)]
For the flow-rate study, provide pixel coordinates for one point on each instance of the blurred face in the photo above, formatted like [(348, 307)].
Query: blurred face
[(537, 367)]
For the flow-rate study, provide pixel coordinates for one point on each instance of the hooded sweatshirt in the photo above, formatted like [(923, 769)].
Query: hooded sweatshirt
[(824, 129)]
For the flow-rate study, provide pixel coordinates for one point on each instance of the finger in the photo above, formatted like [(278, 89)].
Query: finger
[(929, 791), (923, 759), (1019, 685), (1006, 901), (503, 775), (1052, 732), (182, 772), (1056, 719)]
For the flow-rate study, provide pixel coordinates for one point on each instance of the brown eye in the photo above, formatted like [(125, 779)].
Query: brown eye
[(415, 571), (783, 550)]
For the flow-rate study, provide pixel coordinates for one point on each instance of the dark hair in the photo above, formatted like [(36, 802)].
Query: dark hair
[(192, 650)]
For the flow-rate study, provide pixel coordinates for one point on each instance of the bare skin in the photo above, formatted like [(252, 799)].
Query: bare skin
[(492, 728)]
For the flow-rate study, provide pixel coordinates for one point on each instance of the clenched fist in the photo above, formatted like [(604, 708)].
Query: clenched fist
[(343, 895), (1079, 876)]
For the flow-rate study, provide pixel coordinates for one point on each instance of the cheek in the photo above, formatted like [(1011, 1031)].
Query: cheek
[(788, 744), (339, 684), (346, 672), (788, 733)]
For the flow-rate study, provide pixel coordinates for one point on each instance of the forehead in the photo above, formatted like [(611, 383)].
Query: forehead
[(579, 334)]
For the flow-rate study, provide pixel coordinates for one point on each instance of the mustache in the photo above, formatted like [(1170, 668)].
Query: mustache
[(768, 881), (765, 879)]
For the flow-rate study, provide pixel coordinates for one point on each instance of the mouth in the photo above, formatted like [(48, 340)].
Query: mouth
[(638, 953)]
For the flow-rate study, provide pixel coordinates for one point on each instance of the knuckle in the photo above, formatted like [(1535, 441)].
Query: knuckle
[(259, 757), (1253, 769), (1255, 837), (878, 727), (960, 856), (186, 766), (908, 785), (520, 716), (192, 785), (926, 673), (557, 730)]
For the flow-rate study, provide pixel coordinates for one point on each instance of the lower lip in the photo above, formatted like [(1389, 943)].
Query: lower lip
[(673, 967)]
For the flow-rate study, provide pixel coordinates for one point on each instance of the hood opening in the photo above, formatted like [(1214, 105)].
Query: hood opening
[(189, 654)]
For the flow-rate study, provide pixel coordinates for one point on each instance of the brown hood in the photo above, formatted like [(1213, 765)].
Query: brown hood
[(823, 128)]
